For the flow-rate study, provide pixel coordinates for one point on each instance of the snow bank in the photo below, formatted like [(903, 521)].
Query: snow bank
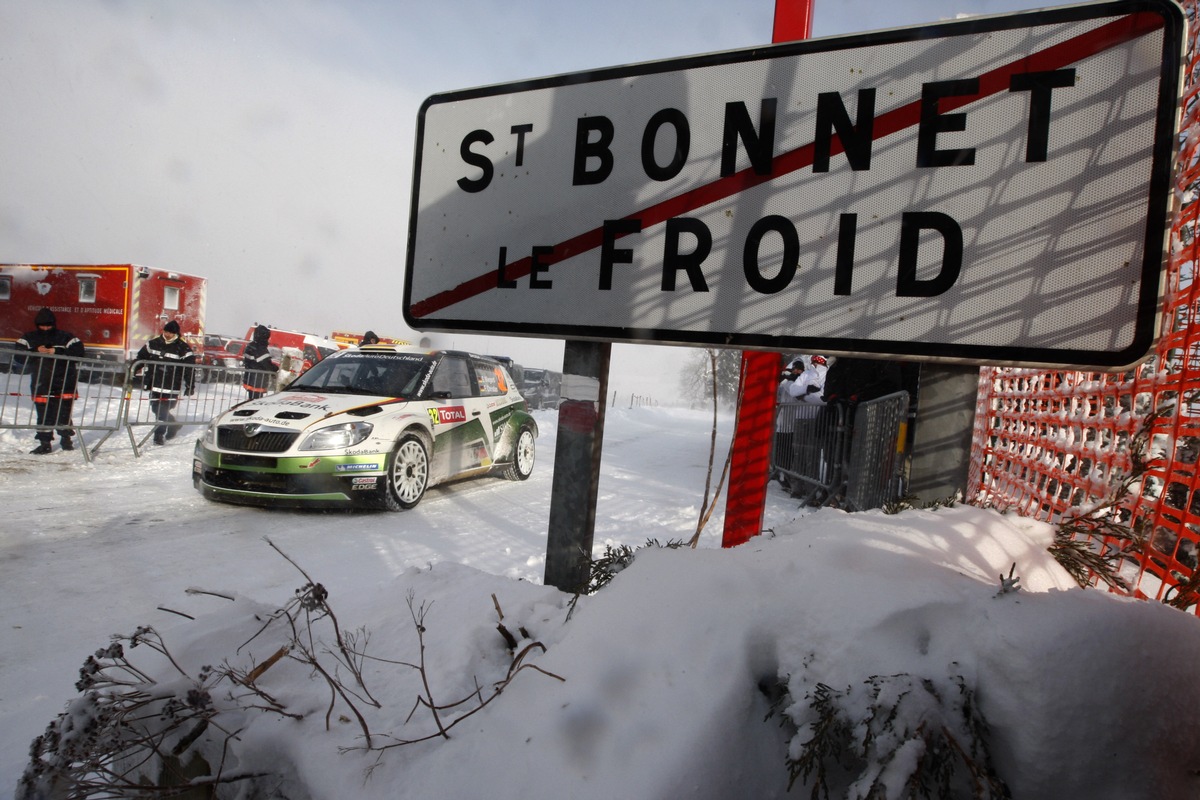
[(667, 674)]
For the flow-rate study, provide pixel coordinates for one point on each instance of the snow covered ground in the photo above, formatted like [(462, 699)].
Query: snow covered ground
[(657, 686)]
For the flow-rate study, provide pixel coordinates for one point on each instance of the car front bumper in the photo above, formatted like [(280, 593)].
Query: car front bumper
[(325, 481)]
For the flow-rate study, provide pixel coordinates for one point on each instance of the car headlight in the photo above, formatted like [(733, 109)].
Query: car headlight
[(210, 434), (336, 437)]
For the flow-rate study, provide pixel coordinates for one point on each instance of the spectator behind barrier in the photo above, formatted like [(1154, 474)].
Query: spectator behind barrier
[(52, 383), (257, 363), (169, 374)]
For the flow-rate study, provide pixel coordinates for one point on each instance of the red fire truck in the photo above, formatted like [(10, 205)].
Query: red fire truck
[(113, 308)]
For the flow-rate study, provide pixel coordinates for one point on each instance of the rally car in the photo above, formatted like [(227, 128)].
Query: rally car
[(373, 426)]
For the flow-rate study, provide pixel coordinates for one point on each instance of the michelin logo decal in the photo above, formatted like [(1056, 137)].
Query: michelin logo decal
[(355, 467)]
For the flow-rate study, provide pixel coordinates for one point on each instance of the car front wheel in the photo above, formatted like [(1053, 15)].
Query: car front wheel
[(522, 457), (407, 474)]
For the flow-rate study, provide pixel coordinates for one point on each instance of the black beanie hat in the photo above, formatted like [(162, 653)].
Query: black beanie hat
[(44, 317), (262, 334), (171, 327)]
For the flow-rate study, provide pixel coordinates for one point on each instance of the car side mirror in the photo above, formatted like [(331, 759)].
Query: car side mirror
[(442, 395)]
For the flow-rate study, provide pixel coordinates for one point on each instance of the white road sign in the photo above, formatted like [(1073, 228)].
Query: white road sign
[(995, 190)]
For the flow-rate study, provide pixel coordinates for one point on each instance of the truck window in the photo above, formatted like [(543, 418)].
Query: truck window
[(5, 287), (171, 298), (87, 289)]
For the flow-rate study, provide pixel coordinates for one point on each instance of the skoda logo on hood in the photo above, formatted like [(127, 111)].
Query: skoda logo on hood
[(251, 430)]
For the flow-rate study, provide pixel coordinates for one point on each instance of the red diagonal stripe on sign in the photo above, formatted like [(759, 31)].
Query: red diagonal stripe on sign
[(992, 82)]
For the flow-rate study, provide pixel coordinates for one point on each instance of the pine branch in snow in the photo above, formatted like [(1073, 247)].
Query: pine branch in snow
[(1095, 542), (616, 559), (893, 737)]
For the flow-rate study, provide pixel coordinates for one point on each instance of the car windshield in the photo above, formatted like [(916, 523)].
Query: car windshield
[(378, 374)]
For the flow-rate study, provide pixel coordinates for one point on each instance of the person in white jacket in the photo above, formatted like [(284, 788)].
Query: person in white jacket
[(797, 443), (809, 384)]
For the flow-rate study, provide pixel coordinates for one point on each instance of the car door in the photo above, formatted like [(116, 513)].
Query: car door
[(492, 383), (461, 442)]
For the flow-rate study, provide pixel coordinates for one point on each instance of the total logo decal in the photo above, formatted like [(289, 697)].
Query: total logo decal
[(442, 416)]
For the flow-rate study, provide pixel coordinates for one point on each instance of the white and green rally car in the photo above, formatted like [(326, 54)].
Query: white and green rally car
[(374, 426)]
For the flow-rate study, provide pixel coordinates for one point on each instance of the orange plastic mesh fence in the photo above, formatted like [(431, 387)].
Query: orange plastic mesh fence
[(1055, 444)]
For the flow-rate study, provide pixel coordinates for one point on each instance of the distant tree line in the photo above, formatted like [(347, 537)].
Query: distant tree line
[(696, 379)]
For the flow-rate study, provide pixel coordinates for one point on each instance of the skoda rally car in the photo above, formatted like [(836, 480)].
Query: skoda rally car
[(373, 426)]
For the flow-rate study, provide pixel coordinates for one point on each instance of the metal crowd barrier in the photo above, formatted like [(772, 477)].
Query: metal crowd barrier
[(810, 449), (111, 395), (215, 389), (832, 454), (875, 470), (98, 406)]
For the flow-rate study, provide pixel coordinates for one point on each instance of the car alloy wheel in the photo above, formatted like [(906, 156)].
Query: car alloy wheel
[(522, 457), (408, 473)]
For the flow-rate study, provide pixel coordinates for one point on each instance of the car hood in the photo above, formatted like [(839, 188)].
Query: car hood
[(301, 410)]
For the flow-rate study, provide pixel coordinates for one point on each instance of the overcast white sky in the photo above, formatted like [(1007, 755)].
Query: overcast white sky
[(268, 145)]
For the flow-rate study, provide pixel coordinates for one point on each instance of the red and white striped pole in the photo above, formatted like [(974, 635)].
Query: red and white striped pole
[(747, 494)]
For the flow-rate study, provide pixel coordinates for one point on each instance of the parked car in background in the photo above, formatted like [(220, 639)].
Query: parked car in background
[(222, 352), (375, 426), (541, 387)]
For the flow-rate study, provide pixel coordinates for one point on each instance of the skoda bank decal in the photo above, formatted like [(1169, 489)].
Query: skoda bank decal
[(989, 190)]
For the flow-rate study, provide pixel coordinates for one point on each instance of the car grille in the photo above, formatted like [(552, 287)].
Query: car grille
[(248, 481), (232, 437), (251, 462)]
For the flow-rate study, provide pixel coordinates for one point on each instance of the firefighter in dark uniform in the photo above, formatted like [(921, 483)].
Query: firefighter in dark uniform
[(52, 381), (257, 363), (169, 373)]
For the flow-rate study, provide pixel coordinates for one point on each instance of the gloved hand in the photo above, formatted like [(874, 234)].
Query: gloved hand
[(813, 389)]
